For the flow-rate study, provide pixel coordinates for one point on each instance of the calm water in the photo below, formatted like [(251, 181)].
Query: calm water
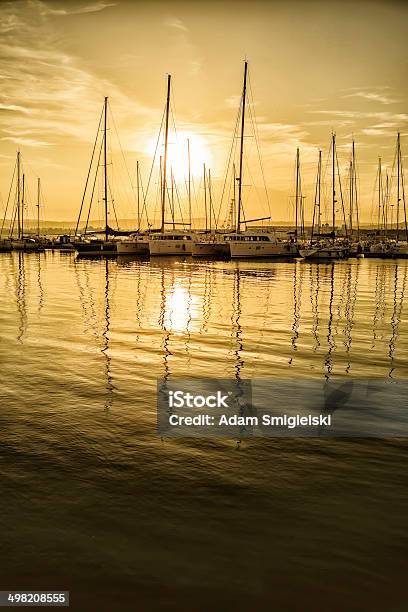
[(93, 501)]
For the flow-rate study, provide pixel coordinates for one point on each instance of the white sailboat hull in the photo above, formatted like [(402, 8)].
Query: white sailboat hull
[(170, 247), (251, 250), (133, 247)]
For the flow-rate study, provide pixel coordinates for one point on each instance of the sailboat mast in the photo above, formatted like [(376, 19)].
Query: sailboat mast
[(210, 200), (334, 183), (297, 193), (189, 182), (18, 197), (38, 207), (166, 136), (379, 192), (400, 188), (205, 198), (22, 207), (172, 197), (319, 191), (138, 195), (316, 207), (105, 173), (241, 151), (398, 182), (386, 201), (355, 191)]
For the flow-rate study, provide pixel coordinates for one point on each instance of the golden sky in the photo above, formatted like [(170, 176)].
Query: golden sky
[(314, 67)]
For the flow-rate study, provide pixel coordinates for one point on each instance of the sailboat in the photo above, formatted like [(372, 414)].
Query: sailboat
[(211, 243), (87, 245), (252, 243), (138, 242), (21, 242), (385, 247), (355, 246), (400, 248), (382, 245), (323, 246), (173, 242)]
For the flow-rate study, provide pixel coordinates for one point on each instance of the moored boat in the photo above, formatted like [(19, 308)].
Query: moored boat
[(327, 252), (170, 243), (5, 245), (251, 244), (95, 247), (89, 244), (214, 245), (137, 244)]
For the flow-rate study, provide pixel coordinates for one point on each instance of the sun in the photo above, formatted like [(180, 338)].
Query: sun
[(178, 154)]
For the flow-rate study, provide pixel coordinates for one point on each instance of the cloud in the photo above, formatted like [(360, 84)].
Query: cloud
[(27, 142), (372, 131), (382, 116), (372, 96), (174, 22), (14, 108), (61, 96), (96, 7), (9, 23)]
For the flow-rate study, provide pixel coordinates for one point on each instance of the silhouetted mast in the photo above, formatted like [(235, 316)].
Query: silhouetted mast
[(189, 181), (105, 174), (334, 183), (18, 197), (297, 193), (38, 207), (317, 198), (22, 207), (166, 135), (138, 195), (379, 193), (355, 192), (211, 201), (205, 198), (241, 152)]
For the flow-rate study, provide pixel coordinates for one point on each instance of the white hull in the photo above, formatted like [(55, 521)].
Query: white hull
[(246, 249), (133, 247), (170, 247)]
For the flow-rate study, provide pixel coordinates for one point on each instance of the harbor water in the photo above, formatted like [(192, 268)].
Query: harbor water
[(95, 502)]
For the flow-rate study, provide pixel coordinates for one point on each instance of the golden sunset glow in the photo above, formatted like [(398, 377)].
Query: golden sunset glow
[(58, 60)]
